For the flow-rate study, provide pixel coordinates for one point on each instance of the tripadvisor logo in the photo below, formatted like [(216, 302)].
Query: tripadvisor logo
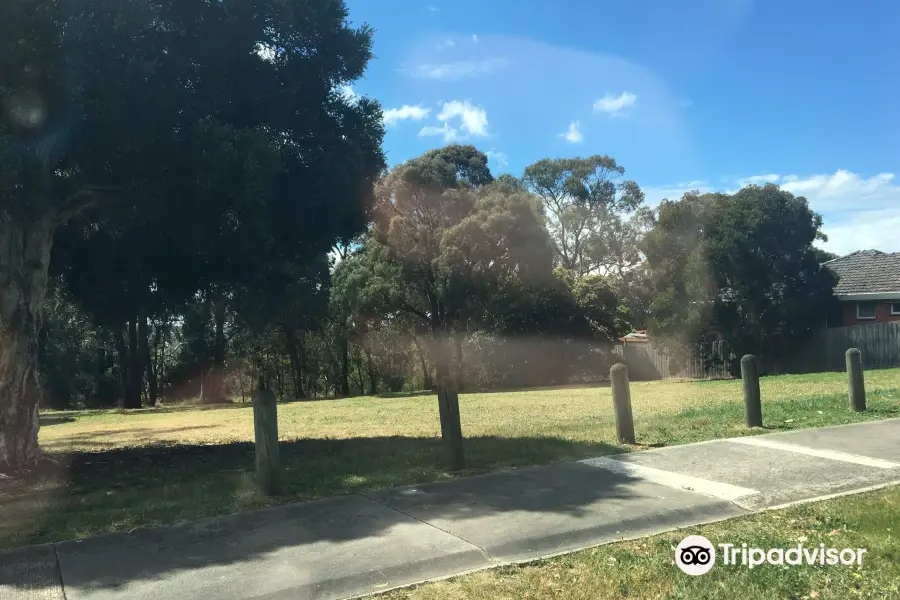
[(696, 555)]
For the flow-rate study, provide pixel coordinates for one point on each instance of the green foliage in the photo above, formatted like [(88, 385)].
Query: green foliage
[(216, 166), (595, 218), (254, 162), (76, 366), (742, 267), (824, 255), (597, 301)]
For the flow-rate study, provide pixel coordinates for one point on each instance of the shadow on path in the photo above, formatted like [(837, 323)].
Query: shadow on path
[(166, 484)]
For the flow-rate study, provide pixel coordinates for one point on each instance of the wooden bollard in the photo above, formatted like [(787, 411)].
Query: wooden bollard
[(621, 394), (750, 379), (265, 429), (451, 429), (855, 380)]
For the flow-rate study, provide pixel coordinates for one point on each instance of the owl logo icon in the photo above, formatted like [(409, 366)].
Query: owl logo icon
[(695, 555)]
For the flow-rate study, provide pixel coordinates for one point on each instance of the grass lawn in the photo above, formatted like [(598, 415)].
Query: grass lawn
[(124, 470), (644, 569)]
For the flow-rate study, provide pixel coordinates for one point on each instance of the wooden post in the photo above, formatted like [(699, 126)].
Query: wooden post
[(265, 427), (448, 406), (752, 401), (855, 380), (448, 401), (621, 394)]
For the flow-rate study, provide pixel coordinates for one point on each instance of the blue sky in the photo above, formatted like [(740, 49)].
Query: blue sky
[(694, 94)]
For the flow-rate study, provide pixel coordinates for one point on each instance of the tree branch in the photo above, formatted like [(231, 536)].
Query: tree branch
[(414, 311), (87, 197)]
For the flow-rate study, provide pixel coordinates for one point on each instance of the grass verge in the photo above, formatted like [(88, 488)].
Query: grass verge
[(124, 470), (644, 569)]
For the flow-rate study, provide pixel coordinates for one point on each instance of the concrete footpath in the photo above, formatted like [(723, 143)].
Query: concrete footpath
[(371, 542)]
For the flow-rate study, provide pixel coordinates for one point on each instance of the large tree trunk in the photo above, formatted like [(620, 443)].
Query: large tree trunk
[(135, 378), (448, 405), (213, 386), (427, 383), (24, 259), (100, 373), (345, 367), (122, 362), (458, 375), (160, 369), (442, 380), (144, 350), (153, 366), (279, 378), (293, 348), (359, 371), (373, 376)]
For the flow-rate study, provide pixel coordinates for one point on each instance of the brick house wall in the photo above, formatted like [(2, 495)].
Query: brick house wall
[(882, 313)]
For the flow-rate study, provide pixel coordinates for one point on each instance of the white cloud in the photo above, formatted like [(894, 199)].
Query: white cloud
[(447, 43), (758, 180), (266, 52), (449, 133), (474, 38), (844, 190), (615, 105), (406, 112), (348, 93), (501, 158), (653, 195), (864, 230), (459, 119), (433, 9), (464, 69), (574, 134), (473, 119), (858, 212)]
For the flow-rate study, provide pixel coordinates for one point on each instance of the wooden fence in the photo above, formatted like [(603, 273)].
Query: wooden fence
[(646, 361), (879, 344)]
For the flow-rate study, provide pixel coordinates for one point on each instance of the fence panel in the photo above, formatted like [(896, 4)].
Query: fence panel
[(648, 361), (879, 344)]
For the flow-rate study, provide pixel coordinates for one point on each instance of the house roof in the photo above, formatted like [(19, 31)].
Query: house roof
[(635, 336), (867, 273)]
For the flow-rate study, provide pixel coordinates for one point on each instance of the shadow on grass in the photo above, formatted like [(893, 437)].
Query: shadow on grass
[(128, 489), (55, 419)]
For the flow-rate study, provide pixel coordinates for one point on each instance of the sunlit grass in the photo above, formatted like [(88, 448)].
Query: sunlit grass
[(129, 469), (581, 414)]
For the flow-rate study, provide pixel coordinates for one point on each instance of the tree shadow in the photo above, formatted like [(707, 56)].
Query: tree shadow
[(70, 415), (651, 445), (136, 436), (157, 485), (55, 419)]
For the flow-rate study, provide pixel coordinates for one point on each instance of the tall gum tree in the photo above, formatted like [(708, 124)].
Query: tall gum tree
[(595, 217)]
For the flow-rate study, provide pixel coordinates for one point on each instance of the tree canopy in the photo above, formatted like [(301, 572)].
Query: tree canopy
[(183, 146), (595, 217), (739, 267)]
